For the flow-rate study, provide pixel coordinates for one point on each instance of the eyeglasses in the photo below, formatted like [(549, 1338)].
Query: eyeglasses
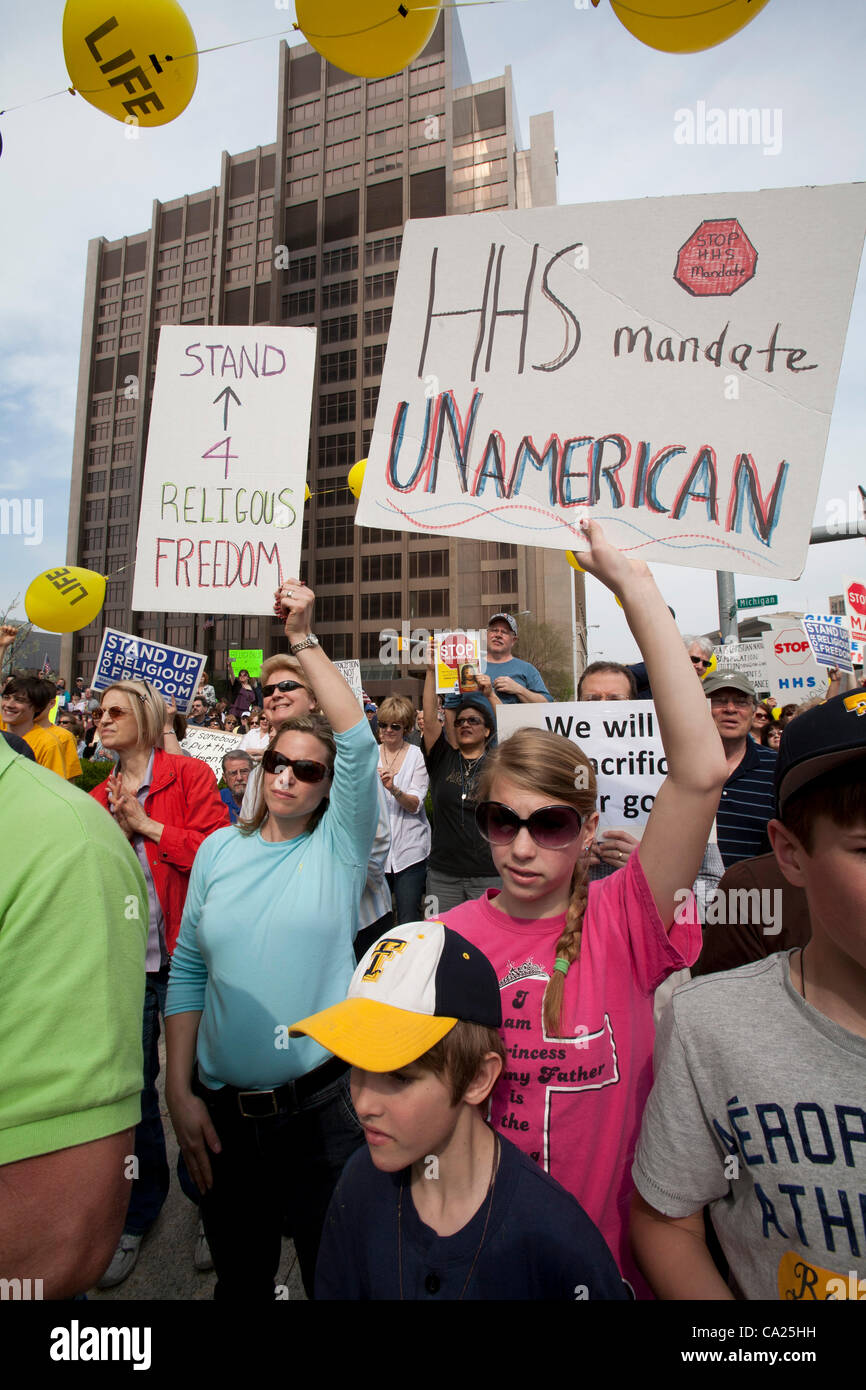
[(738, 701), (700, 661), (305, 769), (394, 728), (114, 712), (467, 723), (551, 827), (282, 685), (762, 715)]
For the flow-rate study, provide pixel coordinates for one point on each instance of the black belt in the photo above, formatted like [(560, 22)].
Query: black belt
[(282, 1100)]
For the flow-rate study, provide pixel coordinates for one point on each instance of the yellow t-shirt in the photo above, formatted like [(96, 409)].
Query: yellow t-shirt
[(49, 751)]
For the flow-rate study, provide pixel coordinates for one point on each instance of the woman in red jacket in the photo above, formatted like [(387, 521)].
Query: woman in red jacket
[(166, 805)]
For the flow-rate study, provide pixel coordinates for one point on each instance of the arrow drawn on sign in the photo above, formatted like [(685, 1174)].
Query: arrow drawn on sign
[(227, 391)]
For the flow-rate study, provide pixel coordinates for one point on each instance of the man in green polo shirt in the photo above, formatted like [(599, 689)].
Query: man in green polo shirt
[(73, 929)]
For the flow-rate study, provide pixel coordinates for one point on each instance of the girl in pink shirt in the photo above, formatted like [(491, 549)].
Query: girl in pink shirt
[(579, 963)]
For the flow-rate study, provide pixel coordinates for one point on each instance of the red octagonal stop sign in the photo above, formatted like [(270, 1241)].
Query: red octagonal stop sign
[(718, 258), (792, 647)]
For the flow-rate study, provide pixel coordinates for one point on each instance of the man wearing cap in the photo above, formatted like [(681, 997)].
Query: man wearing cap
[(508, 680), (747, 801)]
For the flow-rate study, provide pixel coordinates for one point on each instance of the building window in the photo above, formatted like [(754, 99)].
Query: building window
[(302, 268), (377, 321), (307, 111), (337, 645), (380, 286), (121, 478), (428, 564), (384, 87), (335, 408), (338, 330), (92, 540), (118, 507), (374, 359), (338, 366), (499, 582), (350, 174), (96, 481), (118, 536), (371, 536), (376, 567), (296, 304), (498, 550), (334, 531), (380, 605), (389, 111), (338, 570), (371, 397), (344, 152), (335, 496), (334, 608), (94, 511), (340, 262), (337, 450), (341, 100), (385, 249), (338, 295), (428, 603)]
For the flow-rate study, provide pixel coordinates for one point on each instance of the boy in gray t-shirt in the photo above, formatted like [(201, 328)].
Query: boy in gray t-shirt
[(759, 1105)]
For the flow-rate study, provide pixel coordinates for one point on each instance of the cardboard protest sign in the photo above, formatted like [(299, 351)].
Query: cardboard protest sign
[(210, 745), (621, 738), (749, 658), (793, 672), (249, 661), (666, 366), (459, 659), (830, 639), (173, 671), (855, 607), (223, 491), (351, 672)]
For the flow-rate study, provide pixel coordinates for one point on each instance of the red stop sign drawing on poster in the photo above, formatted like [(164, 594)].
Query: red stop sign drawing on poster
[(792, 647), (457, 646), (855, 604), (718, 258)]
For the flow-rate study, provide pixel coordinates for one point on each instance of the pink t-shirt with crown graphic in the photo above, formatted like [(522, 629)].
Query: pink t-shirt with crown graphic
[(574, 1102)]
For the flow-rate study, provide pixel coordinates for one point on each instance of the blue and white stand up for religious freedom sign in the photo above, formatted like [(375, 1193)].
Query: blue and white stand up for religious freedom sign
[(175, 673), (830, 639)]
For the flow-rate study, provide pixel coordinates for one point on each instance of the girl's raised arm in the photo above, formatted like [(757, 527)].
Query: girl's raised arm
[(676, 835)]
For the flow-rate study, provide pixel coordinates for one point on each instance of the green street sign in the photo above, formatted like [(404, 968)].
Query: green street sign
[(766, 601)]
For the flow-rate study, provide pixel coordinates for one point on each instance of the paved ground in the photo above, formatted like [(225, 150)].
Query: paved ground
[(165, 1268)]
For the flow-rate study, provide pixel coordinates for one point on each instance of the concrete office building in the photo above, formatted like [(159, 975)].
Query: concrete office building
[(307, 230)]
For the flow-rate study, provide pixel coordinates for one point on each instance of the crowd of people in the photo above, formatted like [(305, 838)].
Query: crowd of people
[(419, 1007)]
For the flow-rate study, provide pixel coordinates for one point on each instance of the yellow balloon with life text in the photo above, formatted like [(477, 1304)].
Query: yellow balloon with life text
[(355, 480), (685, 26), (573, 561), (368, 38), (64, 599), (134, 60)]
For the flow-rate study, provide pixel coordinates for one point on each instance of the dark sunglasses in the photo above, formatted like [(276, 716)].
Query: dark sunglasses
[(114, 712), (305, 769), (467, 723), (551, 827), (395, 728), (700, 661), (282, 685)]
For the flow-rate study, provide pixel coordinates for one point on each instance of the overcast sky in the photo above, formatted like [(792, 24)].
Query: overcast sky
[(68, 173)]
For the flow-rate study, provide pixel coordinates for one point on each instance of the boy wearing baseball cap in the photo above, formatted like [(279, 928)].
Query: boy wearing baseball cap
[(759, 1105), (437, 1206)]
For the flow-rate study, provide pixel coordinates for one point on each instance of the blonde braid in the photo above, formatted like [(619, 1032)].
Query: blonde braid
[(567, 949)]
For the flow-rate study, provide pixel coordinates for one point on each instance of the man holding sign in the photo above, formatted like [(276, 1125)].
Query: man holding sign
[(510, 682)]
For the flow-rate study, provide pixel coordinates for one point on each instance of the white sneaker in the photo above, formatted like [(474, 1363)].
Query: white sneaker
[(123, 1262), (202, 1258)]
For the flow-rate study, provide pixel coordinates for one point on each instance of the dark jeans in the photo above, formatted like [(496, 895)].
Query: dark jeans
[(407, 886), (273, 1176), (150, 1188)]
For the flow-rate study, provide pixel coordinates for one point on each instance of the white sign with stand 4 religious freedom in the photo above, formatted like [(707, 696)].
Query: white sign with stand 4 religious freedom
[(666, 366), (223, 493)]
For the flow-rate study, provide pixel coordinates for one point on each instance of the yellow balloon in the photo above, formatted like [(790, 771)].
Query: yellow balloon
[(355, 480), (777, 710), (307, 493), (714, 661), (128, 58), (369, 38), (65, 599), (572, 560), (685, 26)]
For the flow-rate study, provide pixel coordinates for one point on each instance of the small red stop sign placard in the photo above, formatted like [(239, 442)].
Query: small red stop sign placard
[(456, 646), (718, 258)]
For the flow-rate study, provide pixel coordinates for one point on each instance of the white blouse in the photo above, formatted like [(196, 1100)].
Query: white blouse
[(410, 830)]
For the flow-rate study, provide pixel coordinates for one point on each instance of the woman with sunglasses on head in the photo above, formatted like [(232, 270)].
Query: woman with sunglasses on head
[(266, 1124), (166, 806), (460, 866), (579, 962), (404, 777)]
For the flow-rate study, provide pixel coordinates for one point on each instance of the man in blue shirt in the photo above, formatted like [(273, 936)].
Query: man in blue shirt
[(508, 680), (747, 801), (237, 766)]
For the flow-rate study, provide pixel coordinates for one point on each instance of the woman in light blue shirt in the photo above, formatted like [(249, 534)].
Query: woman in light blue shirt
[(266, 1123)]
